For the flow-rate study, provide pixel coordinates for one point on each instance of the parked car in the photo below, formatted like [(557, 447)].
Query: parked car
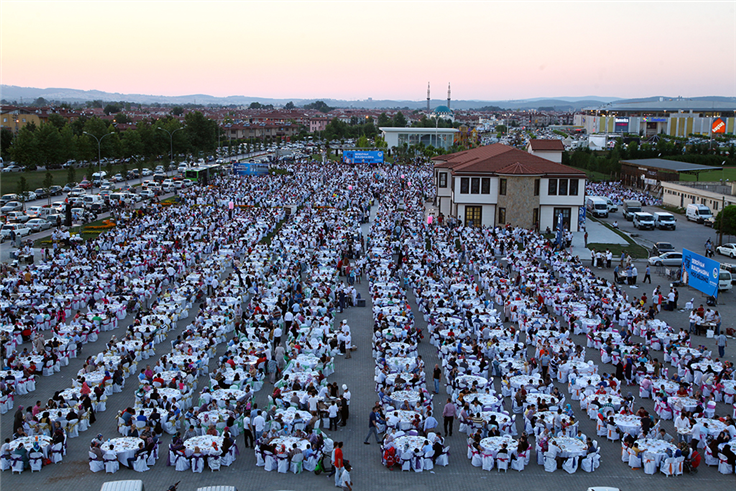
[(85, 184), (727, 250), (660, 248), (667, 259), (77, 192), (69, 186), (13, 168), (29, 196), (39, 224), (710, 221), (147, 194), (6, 198), (146, 172), (21, 229), (17, 217), (12, 206), (41, 193), (117, 178)]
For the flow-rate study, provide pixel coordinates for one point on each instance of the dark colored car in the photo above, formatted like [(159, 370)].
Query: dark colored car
[(660, 248), (55, 190), (41, 193)]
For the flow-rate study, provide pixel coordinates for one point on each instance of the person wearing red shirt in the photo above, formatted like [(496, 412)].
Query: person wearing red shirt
[(337, 463)]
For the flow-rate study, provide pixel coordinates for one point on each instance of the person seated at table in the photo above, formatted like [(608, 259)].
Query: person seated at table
[(663, 435), (682, 390), (139, 451), (211, 430), (95, 449)]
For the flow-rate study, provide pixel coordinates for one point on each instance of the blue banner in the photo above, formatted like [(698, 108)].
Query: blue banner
[(362, 157), (250, 169), (700, 272)]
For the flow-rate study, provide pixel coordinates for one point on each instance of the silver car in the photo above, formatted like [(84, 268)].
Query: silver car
[(667, 259), (38, 224)]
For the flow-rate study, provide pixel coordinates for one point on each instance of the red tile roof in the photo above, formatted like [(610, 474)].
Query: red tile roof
[(501, 159), (548, 145)]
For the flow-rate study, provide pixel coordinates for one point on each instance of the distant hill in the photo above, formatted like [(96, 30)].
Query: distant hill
[(26, 95)]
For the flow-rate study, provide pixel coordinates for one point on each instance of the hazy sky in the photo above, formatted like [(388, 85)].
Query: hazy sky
[(379, 49)]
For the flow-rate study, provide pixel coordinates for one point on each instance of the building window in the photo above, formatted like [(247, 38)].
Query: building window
[(552, 190), (485, 185), (464, 185), (502, 187), (473, 216), (535, 218), (573, 187), (536, 187), (443, 180), (475, 185), (502, 216), (562, 188)]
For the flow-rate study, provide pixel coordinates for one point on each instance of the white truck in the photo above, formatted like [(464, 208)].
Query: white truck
[(597, 206)]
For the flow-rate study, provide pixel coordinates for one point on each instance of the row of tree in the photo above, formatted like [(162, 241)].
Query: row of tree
[(58, 140)]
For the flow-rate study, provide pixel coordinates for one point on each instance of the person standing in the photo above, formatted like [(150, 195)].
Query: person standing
[(448, 414), (345, 482), (337, 464), (721, 343), (647, 275), (372, 426), (247, 431), (585, 237), (437, 374)]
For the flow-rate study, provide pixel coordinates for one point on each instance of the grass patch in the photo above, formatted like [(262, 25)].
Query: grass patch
[(595, 176), (632, 249), (711, 176)]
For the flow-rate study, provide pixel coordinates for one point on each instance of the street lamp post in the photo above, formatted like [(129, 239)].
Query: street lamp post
[(99, 150), (171, 138)]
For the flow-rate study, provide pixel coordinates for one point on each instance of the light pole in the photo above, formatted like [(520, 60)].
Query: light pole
[(171, 138), (99, 150)]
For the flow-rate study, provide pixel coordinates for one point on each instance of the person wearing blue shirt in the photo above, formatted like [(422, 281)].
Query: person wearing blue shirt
[(372, 426)]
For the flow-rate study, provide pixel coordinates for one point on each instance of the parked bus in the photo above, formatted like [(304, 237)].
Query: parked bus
[(203, 174)]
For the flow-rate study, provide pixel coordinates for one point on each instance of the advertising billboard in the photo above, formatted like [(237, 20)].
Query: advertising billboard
[(700, 272), (363, 157), (719, 126)]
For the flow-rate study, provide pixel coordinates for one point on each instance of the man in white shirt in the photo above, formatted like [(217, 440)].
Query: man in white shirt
[(332, 413), (259, 424), (345, 482)]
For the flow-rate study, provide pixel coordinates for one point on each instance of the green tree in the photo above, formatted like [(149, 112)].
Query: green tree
[(177, 110), (289, 105), (71, 174), (25, 150), (48, 141), (57, 120), (48, 180), (399, 120), (201, 132), (726, 220), (132, 143), (320, 106), (111, 109), (22, 186), (363, 142), (67, 149), (40, 102), (6, 140), (122, 118), (384, 120)]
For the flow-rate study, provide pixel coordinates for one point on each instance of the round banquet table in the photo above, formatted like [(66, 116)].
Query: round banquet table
[(410, 396), (414, 442), (44, 442), (466, 381), (548, 417), (289, 441), (124, 448), (658, 448), (493, 444), (214, 416), (288, 415), (535, 397), (485, 400), (628, 423), (571, 447), (223, 395), (670, 386), (686, 403), (519, 381), (715, 426), (205, 444)]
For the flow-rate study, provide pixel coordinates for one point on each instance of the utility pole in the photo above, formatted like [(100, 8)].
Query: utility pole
[(723, 216)]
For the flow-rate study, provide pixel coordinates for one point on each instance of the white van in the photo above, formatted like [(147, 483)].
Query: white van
[(665, 221), (725, 280), (612, 207), (133, 485), (643, 220), (697, 213), (597, 206)]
